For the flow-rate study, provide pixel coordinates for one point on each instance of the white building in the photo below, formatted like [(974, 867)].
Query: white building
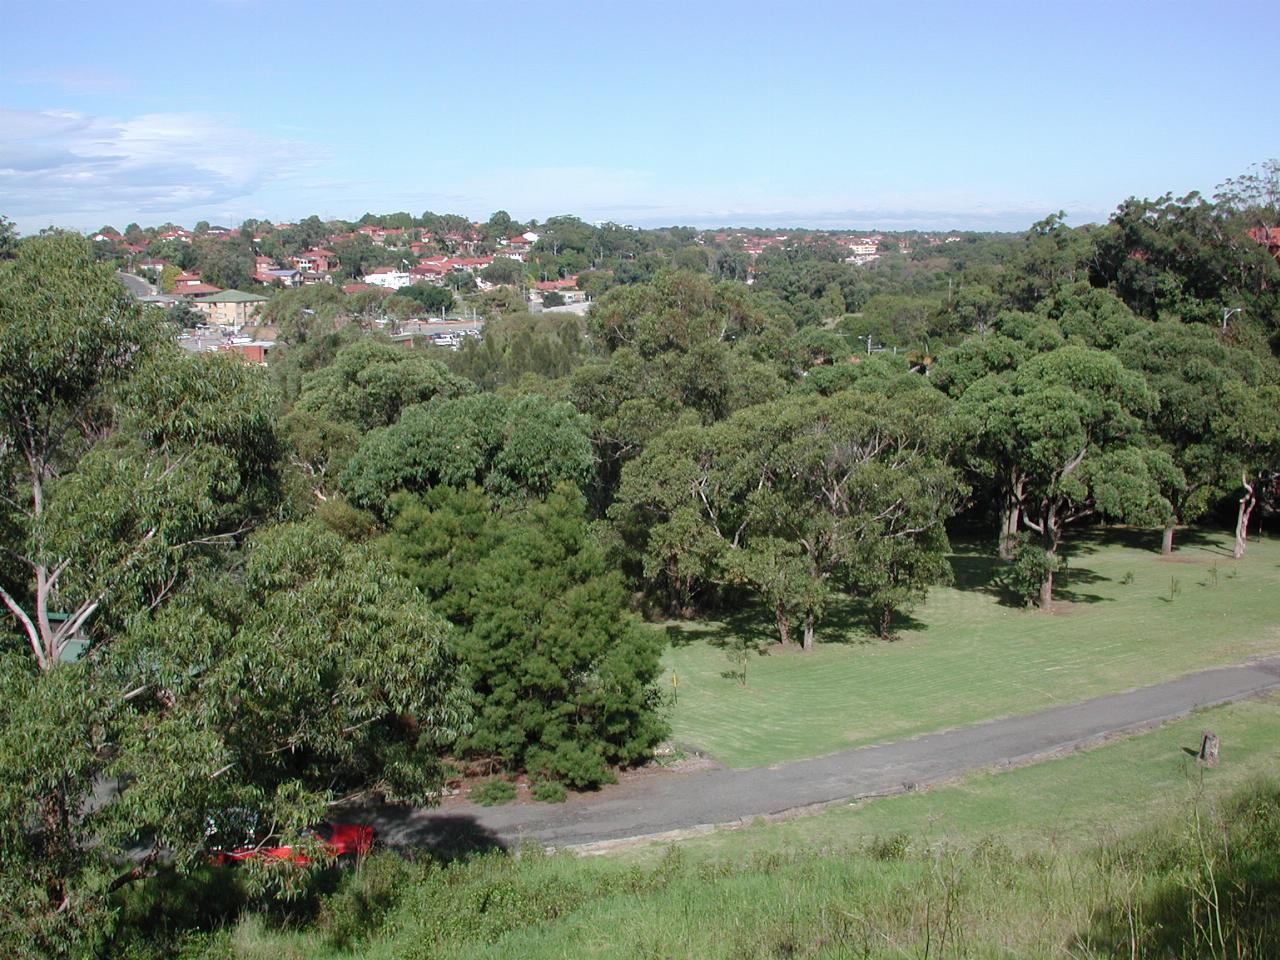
[(390, 278)]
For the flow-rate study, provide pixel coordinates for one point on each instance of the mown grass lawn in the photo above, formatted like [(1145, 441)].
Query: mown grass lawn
[(1126, 618)]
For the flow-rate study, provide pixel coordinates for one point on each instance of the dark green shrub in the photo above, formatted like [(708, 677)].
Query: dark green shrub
[(549, 791), (564, 676), (1027, 570), (493, 793)]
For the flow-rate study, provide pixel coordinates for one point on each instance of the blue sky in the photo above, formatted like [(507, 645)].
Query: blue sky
[(890, 115)]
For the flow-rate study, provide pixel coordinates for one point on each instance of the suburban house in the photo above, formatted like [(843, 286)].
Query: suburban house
[(567, 283), (229, 308), (191, 285), (255, 351), (318, 260), (389, 277)]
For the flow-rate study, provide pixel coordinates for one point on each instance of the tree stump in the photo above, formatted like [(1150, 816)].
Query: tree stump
[(1209, 749)]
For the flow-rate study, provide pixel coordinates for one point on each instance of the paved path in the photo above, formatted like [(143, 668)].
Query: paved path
[(136, 285), (675, 802)]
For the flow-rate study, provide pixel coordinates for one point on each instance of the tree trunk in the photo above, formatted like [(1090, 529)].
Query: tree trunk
[(784, 625), (808, 631), (1046, 591), (1166, 541), (1010, 514), (886, 621), (1247, 503), (1052, 535)]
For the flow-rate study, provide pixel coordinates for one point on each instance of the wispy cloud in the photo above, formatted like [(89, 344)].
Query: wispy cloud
[(80, 79), (63, 166), (641, 197)]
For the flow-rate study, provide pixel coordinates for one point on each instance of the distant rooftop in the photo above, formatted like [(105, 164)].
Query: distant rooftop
[(232, 296)]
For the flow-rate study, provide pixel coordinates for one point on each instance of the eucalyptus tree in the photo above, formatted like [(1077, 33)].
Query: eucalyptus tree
[(1250, 423), (162, 664), (513, 448), (370, 382), (795, 499), (1064, 432), (1206, 416)]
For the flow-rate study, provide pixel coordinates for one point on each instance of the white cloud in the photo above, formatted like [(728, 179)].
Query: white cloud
[(68, 168)]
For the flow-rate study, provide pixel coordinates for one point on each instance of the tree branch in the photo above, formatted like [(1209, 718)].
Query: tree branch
[(33, 635)]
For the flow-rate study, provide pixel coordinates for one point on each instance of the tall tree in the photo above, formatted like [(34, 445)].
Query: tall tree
[(1197, 379), (69, 335), (793, 499), (1250, 422), (369, 383), (513, 448), (563, 675), (258, 696), (1063, 433)]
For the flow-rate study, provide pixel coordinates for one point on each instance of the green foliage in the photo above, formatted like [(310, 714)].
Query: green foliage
[(1194, 374), (313, 671), (216, 678), (354, 913), (677, 311), (898, 320), (678, 346), (563, 676), (543, 345), (548, 791), (428, 297), (225, 263), (1060, 438), (305, 312), (1028, 567), (1189, 259), (493, 792), (68, 331), (369, 384), (522, 447), (794, 499)]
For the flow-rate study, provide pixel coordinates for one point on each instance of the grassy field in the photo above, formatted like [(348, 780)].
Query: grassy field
[(1127, 618), (1121, 851)]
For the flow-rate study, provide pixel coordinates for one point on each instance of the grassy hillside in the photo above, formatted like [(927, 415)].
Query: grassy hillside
[(1123, 851), (1127, 618)]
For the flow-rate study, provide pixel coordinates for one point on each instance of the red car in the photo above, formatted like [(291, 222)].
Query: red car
[(334, 840)]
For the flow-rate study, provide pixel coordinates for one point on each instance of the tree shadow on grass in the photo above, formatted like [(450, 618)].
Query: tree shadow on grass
[(1092, 539), (751, 625), (846, 621), (445, 836), (852, 622), (975, 568), (1069, 579)]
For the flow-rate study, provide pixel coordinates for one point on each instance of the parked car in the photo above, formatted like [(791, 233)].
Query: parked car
[(333, 840)]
